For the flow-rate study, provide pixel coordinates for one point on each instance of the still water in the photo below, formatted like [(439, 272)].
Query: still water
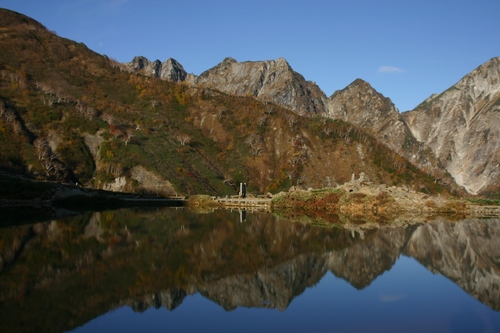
[(174, 270)]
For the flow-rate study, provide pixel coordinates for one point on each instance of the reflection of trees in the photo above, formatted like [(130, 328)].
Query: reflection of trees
[(95, 262)]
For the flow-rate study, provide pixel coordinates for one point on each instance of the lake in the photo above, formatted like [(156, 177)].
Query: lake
[(177, 270)]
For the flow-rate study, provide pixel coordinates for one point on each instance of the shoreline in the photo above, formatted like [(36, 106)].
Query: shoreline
[(357, 200)]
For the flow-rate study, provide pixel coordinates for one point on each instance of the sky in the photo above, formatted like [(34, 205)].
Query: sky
[(406, 49)]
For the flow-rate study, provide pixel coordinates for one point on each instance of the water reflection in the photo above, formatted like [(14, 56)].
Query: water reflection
[(58, 275)]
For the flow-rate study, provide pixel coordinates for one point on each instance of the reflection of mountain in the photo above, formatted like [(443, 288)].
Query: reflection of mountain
[(276, 287), (170, 299), (361, 263), (467, 252), (272, 287), (268, 288), (90, 264)]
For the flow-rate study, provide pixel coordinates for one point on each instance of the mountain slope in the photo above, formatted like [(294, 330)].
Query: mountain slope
[(70, 114), (462, 127), (271, 81), (363, 106)]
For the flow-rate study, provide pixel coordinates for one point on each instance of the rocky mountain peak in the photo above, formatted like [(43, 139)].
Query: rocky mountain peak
[(271, 81), (361, 98), (462, 127), (360, 104), (228, 61), (170, 70), (363, 106), (282, 63), (139, 62)]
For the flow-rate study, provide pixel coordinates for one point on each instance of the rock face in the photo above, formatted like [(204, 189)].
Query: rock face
[(462, 127), (169, 70), (269, 81)]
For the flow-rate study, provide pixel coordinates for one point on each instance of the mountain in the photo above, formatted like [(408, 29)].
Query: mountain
[(69, 114), (360, 104), (462, 127), (269, 81)]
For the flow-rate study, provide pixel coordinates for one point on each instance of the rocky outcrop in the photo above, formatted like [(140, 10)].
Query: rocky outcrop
[(462, 127), (362, 105), (150, 182), (141, 180)]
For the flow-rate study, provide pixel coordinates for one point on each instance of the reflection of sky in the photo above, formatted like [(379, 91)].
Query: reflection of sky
[(408, 298)]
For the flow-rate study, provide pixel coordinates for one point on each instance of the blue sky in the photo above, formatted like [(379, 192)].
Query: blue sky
[(406, 49)]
